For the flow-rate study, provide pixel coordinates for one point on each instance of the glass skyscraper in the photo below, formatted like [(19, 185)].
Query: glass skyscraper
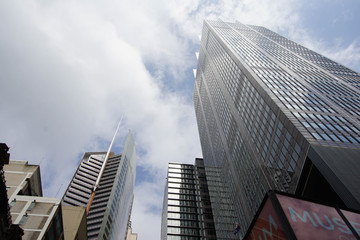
[(187, 210), (111, 208), (273, 114)]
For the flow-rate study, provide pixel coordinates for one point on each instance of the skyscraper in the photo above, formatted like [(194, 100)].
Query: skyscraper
[(111, 207), (273, 114), (187, 211)]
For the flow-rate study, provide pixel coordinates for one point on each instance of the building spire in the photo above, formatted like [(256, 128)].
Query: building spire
[(102, 169)]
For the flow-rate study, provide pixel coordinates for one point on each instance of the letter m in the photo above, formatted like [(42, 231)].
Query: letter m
[(270, 231)]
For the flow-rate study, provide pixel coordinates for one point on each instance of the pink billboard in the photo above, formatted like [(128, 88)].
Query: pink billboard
[(267, 225), (315, 221)]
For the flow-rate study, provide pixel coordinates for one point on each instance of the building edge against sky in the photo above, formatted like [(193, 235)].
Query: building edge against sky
[(273, 114), (111, 208)]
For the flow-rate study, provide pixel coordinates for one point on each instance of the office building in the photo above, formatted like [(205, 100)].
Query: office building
[(110, 209), (22, 178), (39, 217), (273, 114), (187, 211)]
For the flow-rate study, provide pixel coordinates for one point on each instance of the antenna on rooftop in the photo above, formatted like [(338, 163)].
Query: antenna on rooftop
[(58, 190), (102, 169)]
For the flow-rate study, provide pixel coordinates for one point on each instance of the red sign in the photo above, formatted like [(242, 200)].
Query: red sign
[(267, 225)]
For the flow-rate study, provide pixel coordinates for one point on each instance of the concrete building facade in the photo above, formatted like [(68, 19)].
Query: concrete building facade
[(74, 221), (22, 178), (39, 217)]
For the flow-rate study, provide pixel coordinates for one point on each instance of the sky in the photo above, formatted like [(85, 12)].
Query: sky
[(69, 70)]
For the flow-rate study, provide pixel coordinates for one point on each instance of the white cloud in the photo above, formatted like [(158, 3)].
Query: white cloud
[(350, 56), (335, 49), (69, 70), (146, 213)]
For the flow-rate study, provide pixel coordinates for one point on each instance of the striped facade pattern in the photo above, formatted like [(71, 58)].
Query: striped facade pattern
[(80, 189)]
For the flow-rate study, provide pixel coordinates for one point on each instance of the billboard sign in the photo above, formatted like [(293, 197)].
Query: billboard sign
[(311, 220)]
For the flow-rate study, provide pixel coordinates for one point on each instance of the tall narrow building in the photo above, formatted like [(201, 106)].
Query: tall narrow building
[(273, 114), (187, 211), (111, 207)]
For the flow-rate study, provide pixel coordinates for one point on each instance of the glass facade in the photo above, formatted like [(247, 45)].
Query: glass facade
[(265, 106), (187, 212)]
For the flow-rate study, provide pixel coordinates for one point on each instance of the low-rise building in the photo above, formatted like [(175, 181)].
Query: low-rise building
[(40, 217)]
